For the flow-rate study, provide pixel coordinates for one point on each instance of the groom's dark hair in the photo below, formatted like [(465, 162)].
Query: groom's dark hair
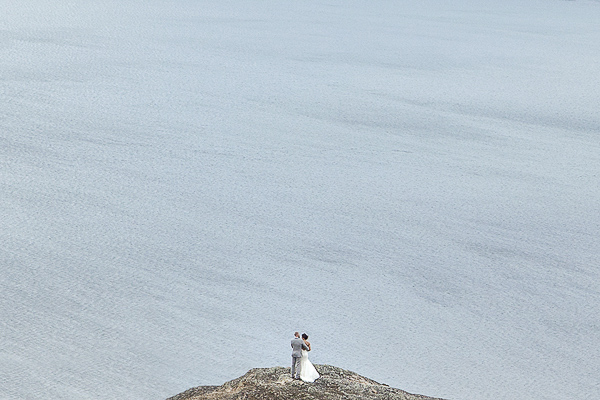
[(304, 336)]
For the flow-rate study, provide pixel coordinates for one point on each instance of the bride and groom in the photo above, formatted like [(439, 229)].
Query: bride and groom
[(302, 368)]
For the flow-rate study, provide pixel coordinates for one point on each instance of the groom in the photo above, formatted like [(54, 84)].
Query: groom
[(297, 347)]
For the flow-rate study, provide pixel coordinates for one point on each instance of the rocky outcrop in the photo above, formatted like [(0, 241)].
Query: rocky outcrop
[(276, 384)]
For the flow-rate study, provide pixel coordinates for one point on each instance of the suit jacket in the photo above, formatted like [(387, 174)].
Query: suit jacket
[(297, 347)]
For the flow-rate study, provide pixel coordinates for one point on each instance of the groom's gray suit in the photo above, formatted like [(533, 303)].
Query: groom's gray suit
[(297, 347)]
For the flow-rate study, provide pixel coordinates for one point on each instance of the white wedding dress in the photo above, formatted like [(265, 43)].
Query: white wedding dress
[(308, 373)]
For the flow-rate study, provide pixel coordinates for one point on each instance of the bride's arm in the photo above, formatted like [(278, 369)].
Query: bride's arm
[(307, 344)]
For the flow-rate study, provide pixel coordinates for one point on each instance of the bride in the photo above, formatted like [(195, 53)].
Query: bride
[(308, 373)]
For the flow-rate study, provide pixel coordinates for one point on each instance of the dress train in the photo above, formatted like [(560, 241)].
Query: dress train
[(308, 372)]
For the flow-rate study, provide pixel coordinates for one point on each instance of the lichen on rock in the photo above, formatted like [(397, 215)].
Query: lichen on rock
[(276, 384)]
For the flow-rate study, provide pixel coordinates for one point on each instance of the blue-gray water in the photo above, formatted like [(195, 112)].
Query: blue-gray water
[(413, 183)]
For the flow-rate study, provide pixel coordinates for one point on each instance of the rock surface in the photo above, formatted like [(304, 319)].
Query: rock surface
[(276, 384)]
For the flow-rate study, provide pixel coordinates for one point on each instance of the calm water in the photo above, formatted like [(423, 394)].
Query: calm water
[(184, 184)]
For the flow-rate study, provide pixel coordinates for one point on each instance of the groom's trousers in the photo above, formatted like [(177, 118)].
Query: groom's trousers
[(295, 367)]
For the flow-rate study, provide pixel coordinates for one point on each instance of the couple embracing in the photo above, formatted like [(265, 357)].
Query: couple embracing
[(302, 368)]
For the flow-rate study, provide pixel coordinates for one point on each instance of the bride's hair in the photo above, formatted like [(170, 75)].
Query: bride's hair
[(304, 336)]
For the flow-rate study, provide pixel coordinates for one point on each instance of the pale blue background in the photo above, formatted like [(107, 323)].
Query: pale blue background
[(185, 183)]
